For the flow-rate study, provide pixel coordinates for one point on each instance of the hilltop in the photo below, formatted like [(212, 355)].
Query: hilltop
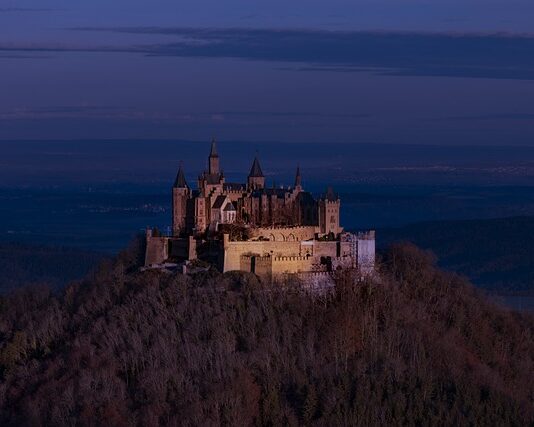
[(124, 347)]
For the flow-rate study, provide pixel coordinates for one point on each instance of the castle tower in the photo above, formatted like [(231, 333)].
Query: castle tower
[(256, 179), (213, 159), (211, 182), (329, 207), (180, 194), (298, 180)]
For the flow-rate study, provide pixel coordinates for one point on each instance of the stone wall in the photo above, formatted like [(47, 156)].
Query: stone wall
[(366, 256), (275, 257), (285, 234), (292, 264), (234, 250), (157, 249), (178, 248)]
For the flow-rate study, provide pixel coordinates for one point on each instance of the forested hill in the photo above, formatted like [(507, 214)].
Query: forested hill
[(128, 348), (495, 254)]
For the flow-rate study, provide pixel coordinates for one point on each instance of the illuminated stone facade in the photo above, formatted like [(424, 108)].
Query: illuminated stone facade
[(249, 227)]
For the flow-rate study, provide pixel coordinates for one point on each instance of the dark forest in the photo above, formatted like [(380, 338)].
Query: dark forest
[(121, 348)]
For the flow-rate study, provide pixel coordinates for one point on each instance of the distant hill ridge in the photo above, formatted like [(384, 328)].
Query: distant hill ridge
[(22, 264), (496, 254)]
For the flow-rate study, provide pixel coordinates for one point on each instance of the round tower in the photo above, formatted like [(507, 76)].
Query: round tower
[(180, 194)]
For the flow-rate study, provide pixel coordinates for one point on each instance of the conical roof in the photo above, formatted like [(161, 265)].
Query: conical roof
[(255, 170), (180, 179), (213, 150), (298, 179)]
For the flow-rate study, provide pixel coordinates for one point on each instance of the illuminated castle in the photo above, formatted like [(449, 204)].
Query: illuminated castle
[(217, 202), (249, 227)]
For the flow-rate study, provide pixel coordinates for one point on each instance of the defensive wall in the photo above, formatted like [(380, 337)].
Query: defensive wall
[(272, 257), (284, 234)]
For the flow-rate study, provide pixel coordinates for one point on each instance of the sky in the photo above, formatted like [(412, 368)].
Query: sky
[(444, 72)]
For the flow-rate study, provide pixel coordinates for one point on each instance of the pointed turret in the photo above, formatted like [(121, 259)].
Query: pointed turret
[(180, 194), (213, 159), (256, 179), (180, 179), (213, 150), (255, 170), (298, 179)]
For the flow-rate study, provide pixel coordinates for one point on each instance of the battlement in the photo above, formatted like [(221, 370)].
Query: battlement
[(291, 258), (360, 235), (366, 235), (286, 227)]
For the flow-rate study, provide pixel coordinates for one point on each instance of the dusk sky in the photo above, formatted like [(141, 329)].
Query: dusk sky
[(373, 71)]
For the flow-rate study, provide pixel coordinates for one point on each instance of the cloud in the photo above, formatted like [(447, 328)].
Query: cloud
[(394, 53), (27, 9), (63, 111), (497, 56), (16, 55), (288, 114), (126, 113), (489, 117)]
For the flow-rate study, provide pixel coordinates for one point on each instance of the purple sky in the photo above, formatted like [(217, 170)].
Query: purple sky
[(392, 71)]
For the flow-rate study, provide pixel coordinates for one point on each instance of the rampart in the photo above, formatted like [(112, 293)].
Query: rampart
[(157, 249), (284, 234)]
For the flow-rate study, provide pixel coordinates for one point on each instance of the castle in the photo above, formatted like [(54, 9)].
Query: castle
[(250, 227)]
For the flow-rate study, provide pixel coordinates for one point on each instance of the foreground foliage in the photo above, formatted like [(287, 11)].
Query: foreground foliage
[(126, 348)]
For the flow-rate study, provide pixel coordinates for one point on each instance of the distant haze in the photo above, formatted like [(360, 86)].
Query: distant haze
[(74, 163)]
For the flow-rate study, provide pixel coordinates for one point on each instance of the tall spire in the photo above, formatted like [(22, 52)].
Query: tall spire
[(255, 170), (213, 159), (213, 150), (298, 179), (180, 179)]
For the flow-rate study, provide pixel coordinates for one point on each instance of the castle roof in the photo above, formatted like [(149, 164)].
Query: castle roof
[(219, 201), (180, 181), (213, 150), (211, 178), (255, 170), (229, 207), (305, 197), (330, 195)]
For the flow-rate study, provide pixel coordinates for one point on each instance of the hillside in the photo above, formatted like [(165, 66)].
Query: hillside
[(495, 254), (22, 264), (127, 348)]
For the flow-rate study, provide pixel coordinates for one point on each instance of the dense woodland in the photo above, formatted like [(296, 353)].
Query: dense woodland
[(127, 348)]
